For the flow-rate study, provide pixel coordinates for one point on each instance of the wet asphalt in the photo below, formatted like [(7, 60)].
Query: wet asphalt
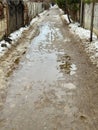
[(54, 86)]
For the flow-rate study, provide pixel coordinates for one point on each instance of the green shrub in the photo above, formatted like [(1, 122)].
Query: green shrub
[(88, 1)]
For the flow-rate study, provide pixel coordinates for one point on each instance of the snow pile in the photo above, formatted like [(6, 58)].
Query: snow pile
[(73, 69), (61, 11), (81, 32), (5, 45), (66, 18), (43, 13), (90, 47), (54, 7), (92, 50), (17, 34), (84, 34)]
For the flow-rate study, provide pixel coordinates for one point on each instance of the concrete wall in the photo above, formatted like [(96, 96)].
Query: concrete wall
[(87, 17), (96, 19)]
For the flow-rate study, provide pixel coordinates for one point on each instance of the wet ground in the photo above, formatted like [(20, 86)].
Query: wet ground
[(54, 86)]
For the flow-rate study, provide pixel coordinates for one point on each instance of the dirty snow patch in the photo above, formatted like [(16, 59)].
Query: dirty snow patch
[(70, 86), (15, 36), (65, 17), (96, 44), (73, 69), (61, 11), (81, 32), (33, 20), (54, 7), (90, 47)]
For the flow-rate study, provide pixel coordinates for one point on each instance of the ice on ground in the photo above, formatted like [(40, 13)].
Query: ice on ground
[(48, 34)]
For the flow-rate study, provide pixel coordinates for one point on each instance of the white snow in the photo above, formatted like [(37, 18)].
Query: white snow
[(96, 44), (66, 18), (33, 20), (14, 37), (61, 11), (70, 86), (73, 69), (81, 32), (55, 6), (17, 34)]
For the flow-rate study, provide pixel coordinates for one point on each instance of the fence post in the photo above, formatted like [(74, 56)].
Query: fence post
[(92, 21)]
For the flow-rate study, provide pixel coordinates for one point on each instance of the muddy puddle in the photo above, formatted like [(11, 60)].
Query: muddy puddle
[(36, 83), (65, 64)]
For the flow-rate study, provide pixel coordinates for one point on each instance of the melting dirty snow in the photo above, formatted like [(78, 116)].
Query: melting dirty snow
[(42, 100), (73, 69), (70, 86), (15, 36), (90, 47), (81, 32)]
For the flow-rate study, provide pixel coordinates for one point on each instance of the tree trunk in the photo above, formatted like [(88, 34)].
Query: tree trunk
[(67, 10)]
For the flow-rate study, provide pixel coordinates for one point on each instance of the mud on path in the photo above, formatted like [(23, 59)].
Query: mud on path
[(11, 59), (54, 86)]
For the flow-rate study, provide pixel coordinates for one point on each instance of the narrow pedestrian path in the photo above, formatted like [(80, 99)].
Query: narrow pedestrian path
[(55, 86)]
